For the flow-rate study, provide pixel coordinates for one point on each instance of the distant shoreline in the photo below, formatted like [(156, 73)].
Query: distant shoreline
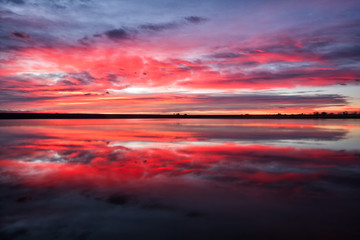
[(176, 116)]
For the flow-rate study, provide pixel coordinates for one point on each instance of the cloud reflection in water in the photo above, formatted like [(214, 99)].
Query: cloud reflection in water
[(222, 174)]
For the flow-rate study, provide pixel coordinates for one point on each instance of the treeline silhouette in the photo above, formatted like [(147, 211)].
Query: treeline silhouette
[(315, 115)]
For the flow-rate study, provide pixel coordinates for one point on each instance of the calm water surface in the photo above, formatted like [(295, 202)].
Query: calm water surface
[(179, 179)]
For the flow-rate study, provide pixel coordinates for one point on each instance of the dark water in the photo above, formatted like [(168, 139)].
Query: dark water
[(180, 179)]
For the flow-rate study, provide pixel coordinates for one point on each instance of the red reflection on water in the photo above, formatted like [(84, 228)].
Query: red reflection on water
[(169, 130), (100, 165), (112, 153)]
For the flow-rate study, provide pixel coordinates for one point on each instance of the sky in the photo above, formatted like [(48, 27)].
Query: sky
[(170, 56)]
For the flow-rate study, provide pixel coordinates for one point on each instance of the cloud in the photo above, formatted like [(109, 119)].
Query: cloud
[(195, 19), (122, 33), (14, 1), (171, 25), (226, 55), (103, 48), (344, 54), (159, 27), (246, 102), (81, 78), (118, 34), (20, 35), (82, 87)]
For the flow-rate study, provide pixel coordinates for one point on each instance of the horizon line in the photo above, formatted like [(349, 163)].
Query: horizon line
[(316, 115)]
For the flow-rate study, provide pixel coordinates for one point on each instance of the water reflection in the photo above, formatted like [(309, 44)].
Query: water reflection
[(92, 179)]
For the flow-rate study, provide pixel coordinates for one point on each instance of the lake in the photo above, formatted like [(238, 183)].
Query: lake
[(179, 179)]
